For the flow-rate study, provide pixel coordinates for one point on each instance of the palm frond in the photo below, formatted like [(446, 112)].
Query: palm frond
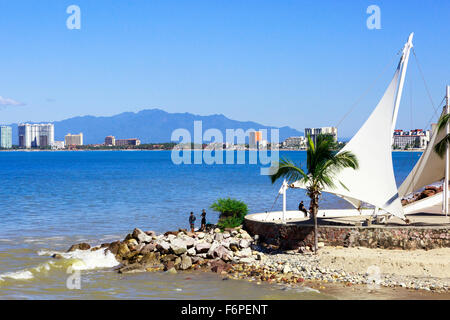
[(289, 171), (442, 123), (441, 146)]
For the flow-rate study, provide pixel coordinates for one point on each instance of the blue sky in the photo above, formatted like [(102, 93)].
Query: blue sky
[(295, 63)]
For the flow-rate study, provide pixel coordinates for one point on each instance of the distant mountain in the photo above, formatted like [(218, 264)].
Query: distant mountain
[(150, 126)]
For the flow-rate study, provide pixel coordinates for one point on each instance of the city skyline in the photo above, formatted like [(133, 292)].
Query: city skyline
[(278, 71)]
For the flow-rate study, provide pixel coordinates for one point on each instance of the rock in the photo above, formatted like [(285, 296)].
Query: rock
[(141, 236), (57, 256), (132, 268), (151, 259), (218, 237), (247, 252), (163, 246), (140, 246), (150, 233), (211, 252), (202, 247), (191, 252), (226, 235), (218, 266), (148, 248), (200, 235), (197, 259), (186, 263), (320, 244), (244, 243), (79, 246), (222, 253), (246, 260), (172, 270), (178, 246), (234, 233), (114, 247), (123, 250), (174, 233), (216, 230), (171, 237), (188, 241), (131, 242), (234, 247)]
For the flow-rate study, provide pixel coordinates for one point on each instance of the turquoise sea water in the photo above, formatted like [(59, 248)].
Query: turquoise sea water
[(49, 200)]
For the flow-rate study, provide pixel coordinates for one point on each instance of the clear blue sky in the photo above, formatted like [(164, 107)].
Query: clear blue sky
[(296, 63)]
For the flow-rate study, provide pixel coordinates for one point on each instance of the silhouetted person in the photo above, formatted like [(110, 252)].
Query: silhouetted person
[(192, 219), (203, 222), (301, 207)]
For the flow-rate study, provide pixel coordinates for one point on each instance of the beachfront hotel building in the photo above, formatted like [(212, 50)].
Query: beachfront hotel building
[(5, 137), (74, 139), (295, 142), (36, 135), (314, 132), (110, 141), (127, 142), (254, 138), (417, 139)]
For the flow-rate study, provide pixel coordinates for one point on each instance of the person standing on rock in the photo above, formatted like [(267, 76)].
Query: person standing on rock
[(192, 219), (203, 226)]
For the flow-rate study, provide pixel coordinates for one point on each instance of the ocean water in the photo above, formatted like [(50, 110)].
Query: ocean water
[(50, 200)]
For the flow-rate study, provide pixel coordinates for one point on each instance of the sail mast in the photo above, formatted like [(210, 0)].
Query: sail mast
[(447, 156), (406, 50)]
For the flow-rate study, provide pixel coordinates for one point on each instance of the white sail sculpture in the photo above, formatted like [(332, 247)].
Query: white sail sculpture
[(430, 168), (374, 182)]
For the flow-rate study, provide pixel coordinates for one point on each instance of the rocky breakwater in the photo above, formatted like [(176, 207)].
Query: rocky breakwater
[(180, 250), (234, 254)]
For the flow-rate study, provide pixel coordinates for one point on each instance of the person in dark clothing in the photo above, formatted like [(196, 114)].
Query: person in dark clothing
[(192, 219), (203, 222), (301, 207)]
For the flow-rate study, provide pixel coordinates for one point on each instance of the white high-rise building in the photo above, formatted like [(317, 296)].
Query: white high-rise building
[(36, 135)]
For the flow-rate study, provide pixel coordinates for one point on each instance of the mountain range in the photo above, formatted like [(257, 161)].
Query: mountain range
[(150, 126)]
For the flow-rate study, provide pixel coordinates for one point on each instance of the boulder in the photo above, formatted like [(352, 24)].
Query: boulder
[(163, 246), (141, 236), (172, 270), (247, 252), (148, 248), (188, 241), (191, 252), (246, 260), (234, 247), (131, 242), (200, 235), (186, 263), (217, 230), (223, 253), (178, 246), (218, 237), (211, 252), (244, 244), (151, 259), (219, 266), (114, 247), (226, 235), (202, 247), (123, 250), (79, 246), (150, 233)]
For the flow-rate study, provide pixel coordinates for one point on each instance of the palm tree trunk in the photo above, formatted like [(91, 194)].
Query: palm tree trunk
[(314, 210)]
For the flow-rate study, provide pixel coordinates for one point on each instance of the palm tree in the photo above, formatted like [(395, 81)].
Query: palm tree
[(322, 164), (441, 147)]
